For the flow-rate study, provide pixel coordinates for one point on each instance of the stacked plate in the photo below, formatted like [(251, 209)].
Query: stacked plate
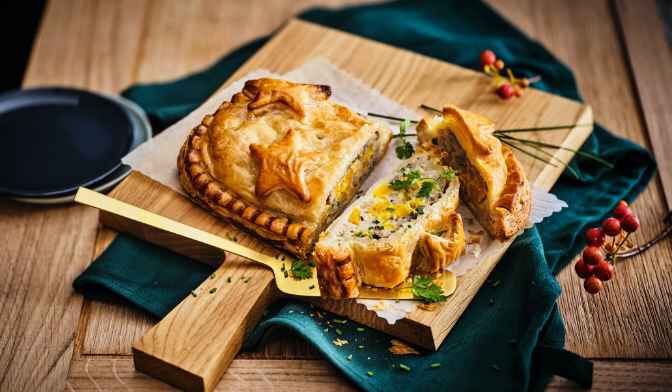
[(55, 140)]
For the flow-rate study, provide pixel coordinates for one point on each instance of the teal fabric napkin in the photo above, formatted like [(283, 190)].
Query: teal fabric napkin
[(511, 336)]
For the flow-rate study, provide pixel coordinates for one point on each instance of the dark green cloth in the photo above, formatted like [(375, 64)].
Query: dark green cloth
[(511, 336)]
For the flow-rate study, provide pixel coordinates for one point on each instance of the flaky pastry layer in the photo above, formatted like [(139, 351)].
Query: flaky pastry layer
[(281, 160)]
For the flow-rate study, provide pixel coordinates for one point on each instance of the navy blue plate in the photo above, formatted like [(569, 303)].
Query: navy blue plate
[(54, 140)]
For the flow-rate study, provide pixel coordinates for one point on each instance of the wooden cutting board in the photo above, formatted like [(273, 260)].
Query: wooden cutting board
[(194, 344)]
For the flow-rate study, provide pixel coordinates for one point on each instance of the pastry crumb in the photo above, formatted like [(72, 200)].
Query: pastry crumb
[(400, 348)]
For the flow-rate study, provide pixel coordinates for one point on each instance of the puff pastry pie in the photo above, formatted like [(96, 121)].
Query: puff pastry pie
[(403, 221), (281, 160), (493, 183)]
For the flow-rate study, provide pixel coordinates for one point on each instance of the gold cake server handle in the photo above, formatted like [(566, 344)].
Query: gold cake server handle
[(286, 284)]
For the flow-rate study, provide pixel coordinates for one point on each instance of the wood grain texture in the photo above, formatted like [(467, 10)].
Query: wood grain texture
[(192, 346), (117, 373), (650, 56), (630, 318), (40, 312)]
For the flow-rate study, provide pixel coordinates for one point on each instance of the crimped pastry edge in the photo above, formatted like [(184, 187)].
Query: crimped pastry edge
[(205, 190)]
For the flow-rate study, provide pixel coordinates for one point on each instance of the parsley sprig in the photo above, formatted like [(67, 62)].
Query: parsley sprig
[(408, 180), (300, 270), (425, 289), (403, 149), (426, 188)]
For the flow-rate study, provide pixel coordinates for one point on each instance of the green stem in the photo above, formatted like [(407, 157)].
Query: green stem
[(537, 129), (547, 145), (619, 247), (391, 117), (430, 109), (537, 157), (398, 135), (563, 163)]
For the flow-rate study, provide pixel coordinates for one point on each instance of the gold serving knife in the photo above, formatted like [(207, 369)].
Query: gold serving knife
[(286, 284)]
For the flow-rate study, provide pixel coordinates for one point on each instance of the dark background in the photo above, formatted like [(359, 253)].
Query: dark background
[(19, 21)]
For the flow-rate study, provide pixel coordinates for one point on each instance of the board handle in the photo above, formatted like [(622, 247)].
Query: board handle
[(193, 346)]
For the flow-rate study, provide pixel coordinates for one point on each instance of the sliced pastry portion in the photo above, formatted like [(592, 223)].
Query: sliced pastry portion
[(493, 183), (440, 244), (281, 160), (374, 242)]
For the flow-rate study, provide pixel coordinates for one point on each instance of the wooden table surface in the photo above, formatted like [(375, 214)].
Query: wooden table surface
[(52, 339)]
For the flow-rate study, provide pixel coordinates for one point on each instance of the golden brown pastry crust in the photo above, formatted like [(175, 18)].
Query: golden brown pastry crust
[(493, 172), (280, 160), (440, 244)]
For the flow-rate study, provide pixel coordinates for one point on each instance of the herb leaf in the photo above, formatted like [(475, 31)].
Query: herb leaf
[(448, 174), (426, 188), (425, 289), (406, 180), (301, 270), (403, 149)]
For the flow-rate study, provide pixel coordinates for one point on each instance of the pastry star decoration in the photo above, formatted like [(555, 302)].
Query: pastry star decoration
[(283, 165)]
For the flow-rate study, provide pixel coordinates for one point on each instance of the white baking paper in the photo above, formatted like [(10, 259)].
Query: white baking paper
[(156, 158)]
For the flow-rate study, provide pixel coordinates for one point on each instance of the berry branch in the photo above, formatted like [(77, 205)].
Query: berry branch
[(507, 85), (595, 266)]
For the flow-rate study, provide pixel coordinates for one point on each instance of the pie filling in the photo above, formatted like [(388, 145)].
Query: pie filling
[(345, 189), (380, 230)]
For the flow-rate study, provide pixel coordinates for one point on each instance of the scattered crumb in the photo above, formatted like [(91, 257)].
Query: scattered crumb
[(428, 307), (473, 239), (340, 342), (473, 249), (379, 306), (400, 348)]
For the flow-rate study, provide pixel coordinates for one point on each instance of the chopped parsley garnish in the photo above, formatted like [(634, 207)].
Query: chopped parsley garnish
[(406, 180), (360, 329), (301, 270), (409, 179), (435, 365), (449, 174), (425, 289), (426, 188), (403, 149), (370, 373), (404, 367)]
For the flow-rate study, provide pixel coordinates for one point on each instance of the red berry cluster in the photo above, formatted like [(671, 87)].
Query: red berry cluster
[(507, 86), (599, 256)]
